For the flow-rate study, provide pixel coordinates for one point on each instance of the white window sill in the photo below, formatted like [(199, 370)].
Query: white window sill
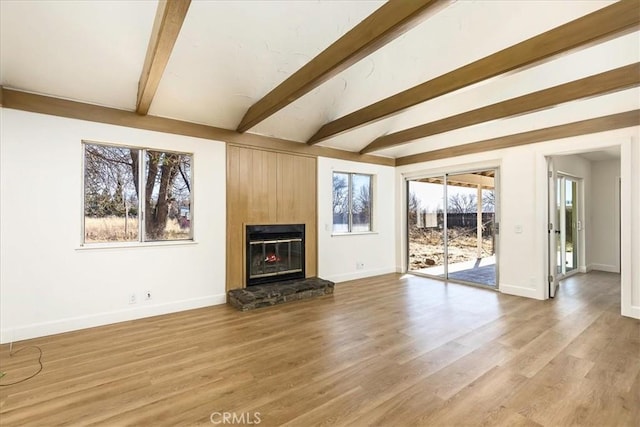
[(355, 233), (123, 245)]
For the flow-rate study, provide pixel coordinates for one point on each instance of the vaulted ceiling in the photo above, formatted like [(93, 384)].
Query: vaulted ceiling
[(392, 79)]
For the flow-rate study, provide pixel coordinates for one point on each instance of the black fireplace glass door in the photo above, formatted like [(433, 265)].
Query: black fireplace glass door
[(275, 257), (291, 255), (274, 253)]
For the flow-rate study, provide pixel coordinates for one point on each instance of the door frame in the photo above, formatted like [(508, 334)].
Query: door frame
[(594, 143), (553, 278)]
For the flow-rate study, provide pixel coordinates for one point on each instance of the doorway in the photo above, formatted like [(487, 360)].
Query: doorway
[(452, 226)]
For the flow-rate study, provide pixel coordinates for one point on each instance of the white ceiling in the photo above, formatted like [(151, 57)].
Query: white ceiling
[(90, 51), (231, 53)]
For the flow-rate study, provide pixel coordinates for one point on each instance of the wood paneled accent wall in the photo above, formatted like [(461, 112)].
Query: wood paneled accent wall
[(267, 187)]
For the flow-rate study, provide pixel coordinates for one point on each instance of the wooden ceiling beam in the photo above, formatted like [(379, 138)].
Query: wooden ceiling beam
[(584, 127), (42, 104), (602, 24), (599, 84), (384, 25), (169, 18)]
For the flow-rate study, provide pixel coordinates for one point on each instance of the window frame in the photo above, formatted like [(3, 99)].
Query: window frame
[(141, 241), (350, 204)]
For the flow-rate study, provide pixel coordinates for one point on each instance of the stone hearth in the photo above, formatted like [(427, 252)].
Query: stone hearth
[(258, 296)]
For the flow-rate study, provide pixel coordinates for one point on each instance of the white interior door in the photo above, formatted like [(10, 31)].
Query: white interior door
[(554, 229)]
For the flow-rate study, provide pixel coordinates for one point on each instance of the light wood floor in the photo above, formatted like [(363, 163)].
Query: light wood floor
[(387, 351)]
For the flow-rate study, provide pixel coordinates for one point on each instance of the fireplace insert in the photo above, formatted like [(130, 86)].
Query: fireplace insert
[(274, 253)]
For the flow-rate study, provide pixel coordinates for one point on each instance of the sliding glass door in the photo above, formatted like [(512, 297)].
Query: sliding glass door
[(470, 228), (426, 227), (451, 223)]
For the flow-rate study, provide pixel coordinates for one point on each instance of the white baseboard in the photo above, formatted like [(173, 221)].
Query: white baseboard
[(632, 311), (42, 329), (520, 291), (604, 267), (359, 274)]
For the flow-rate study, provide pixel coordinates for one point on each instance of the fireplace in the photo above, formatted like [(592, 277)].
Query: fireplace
[(274, 253)]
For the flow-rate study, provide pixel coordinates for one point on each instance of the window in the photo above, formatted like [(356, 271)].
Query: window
[(352, 201), (134, 195)]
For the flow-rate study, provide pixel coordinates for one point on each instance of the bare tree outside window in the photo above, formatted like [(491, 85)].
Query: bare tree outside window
[(489, 200), (167, 196), (414, 206), (110, 194), (361, 202), (352, 202), (115, 202), (462, 203), (340, 203)]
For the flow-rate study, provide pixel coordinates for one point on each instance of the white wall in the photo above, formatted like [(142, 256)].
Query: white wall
[(604, 247), (48, 284), (339, 254), (630, 218), (523, 182), (579, 167)]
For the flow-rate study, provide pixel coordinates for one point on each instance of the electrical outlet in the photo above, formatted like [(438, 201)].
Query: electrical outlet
[(359, 265), (132, 298), (147, 295)]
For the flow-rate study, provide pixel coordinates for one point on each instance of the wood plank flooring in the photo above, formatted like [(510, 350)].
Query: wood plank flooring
[(388, 351)]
